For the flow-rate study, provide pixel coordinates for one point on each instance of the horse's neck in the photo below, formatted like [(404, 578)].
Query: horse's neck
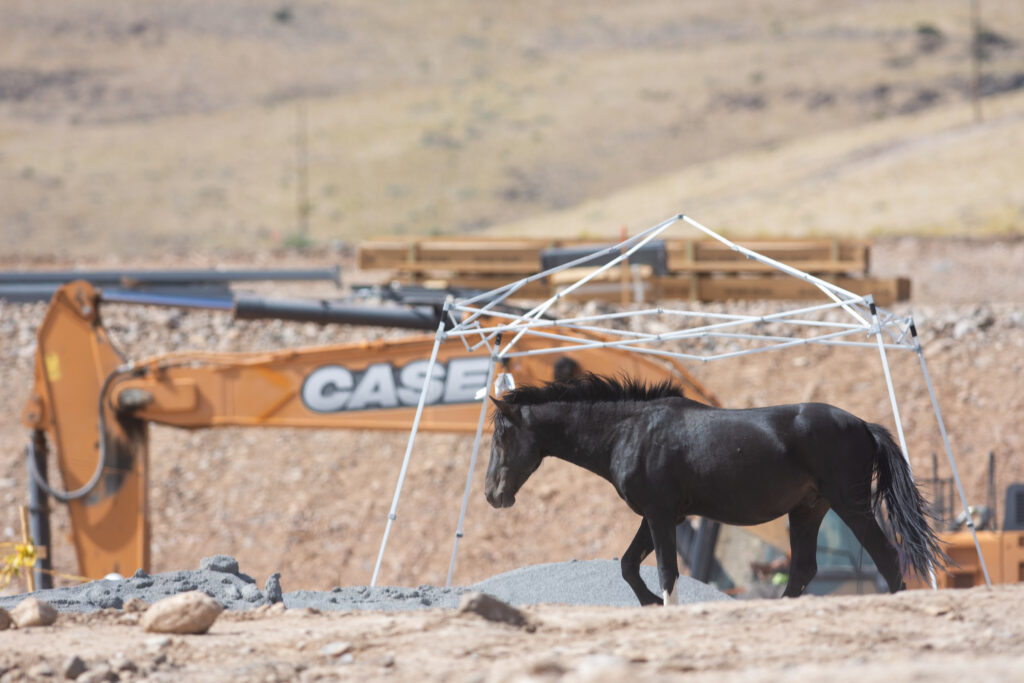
[(575, 440)]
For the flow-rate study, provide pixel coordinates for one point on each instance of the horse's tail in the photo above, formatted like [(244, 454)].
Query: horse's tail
[(920, 549)]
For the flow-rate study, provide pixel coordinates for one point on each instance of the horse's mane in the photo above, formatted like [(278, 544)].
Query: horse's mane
[(591, 388)]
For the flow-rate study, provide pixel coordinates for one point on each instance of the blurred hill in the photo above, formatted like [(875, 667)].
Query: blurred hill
[(137, 127)]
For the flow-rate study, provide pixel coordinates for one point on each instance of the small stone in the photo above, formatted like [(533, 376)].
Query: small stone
[(491, 608), (103, 596), (135, 604), (98, 674), (73, 667), (6, 621), (387, 661), (336, 648), (129, 618), (41, 670), (273, 588), (318, 673), (547, 667), (610, 666), (251, 593), (157, 643), (122, 664), (191, 612), (219, 563), (33, 612)]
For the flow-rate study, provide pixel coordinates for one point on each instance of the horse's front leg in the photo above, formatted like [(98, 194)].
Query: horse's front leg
[(637, 551), (663, 533)]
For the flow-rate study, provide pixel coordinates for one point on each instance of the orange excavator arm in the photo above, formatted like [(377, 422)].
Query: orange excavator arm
[(94, 406)]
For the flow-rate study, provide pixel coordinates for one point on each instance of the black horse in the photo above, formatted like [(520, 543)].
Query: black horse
[(668, 457)]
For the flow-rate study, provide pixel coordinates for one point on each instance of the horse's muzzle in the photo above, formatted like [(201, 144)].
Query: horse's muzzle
[(499, 496)]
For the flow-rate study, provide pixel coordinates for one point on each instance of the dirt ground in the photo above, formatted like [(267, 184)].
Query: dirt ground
[(312, 505), (972, 634)]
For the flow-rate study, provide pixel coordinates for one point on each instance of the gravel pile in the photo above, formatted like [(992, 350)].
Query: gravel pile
[(593, 582)]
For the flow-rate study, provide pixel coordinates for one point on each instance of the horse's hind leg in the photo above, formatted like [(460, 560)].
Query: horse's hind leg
[(804, 522), (865, 527), (638, 550), (663, 533)]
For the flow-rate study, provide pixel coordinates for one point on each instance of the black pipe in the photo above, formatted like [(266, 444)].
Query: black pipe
[(323, 312), (129, 278), (653, 254), (32, 286), (39, 511), (181, 298), (19, 293)]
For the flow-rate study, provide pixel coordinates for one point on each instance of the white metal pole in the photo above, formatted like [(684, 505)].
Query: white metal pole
[(408, 450), (537, 311), (829, 289), (472, 465), (949, 454), (888, 383), (895, 409)]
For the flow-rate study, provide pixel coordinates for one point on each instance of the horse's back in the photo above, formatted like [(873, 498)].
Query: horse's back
[(744, 466)]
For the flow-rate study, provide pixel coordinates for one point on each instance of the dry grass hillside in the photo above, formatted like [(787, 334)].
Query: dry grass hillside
[(137, 127)]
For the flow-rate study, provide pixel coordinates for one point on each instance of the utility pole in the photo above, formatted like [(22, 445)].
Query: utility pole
[(302, 205), (976, 53)]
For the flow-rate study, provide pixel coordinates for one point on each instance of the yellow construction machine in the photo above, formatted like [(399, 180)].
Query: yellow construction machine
[(92, 406)]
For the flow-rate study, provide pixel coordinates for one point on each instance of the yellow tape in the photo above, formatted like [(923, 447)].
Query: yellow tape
[(24, 557)]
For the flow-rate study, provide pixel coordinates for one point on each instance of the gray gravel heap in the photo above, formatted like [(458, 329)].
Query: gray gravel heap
[(217, 576), (593, 582)]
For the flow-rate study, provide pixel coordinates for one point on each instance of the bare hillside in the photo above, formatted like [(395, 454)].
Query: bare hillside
[(142, 126)]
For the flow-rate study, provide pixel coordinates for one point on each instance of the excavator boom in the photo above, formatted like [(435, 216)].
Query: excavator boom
[(94, 406)]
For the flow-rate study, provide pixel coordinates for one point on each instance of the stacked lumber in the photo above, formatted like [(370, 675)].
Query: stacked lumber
[(698, 270)]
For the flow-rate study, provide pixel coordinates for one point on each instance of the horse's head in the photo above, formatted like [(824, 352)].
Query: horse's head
[(514, 454)]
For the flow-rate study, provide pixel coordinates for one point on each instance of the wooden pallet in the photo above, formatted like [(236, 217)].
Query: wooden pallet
[(699, 270), (815, 257), (520, 257)]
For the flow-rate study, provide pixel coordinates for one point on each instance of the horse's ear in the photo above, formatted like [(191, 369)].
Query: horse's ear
[(507, 410)]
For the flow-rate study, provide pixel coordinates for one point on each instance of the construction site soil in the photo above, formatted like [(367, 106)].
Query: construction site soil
[(312, 506)]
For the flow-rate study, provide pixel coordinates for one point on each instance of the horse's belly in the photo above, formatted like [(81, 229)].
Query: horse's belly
[(752, 502)]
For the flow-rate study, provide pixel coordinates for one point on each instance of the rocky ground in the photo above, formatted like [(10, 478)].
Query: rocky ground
[(917, 635), (312, 506)]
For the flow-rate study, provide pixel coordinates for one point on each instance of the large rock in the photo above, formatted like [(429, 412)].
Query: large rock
[(219, 563), (491, 608), (191, 612), (33, 612), (74, 667), (272, 589)]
